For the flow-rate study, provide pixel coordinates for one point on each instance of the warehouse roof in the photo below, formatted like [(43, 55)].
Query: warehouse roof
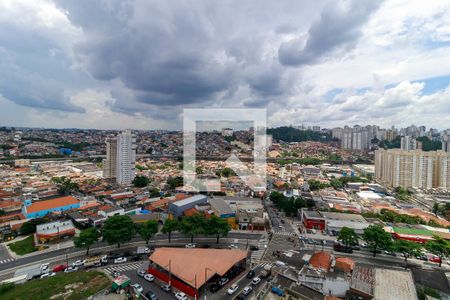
[(53, 203), (189, 200), (188, 264)]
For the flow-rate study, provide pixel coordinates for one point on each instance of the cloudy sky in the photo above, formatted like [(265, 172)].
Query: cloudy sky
[(138, 63)]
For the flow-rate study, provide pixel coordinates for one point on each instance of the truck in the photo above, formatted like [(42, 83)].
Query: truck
[(142, 250), (96, 261), (267, 270), (33, 271), (16, 280)]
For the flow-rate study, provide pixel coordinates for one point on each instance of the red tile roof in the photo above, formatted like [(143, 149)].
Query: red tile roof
[(189, 212), (321, 260), (53, 203), (345, 264)]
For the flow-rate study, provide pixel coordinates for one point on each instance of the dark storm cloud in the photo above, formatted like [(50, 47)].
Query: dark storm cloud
[(184, 53), (338, 27)]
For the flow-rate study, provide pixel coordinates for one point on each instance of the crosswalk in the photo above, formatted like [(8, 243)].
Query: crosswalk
[(125, 267), (286, 233), (262, 245), (4, 261)]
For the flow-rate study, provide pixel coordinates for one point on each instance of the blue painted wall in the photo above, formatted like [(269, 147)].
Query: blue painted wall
[(42, 213)]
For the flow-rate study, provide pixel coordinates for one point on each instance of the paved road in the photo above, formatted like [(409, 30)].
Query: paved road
[(4, 255), (159, 240)]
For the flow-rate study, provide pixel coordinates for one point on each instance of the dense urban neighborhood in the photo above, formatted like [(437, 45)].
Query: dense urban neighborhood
[(338, 219)]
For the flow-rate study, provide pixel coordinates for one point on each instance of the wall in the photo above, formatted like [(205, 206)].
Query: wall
[(42, 213), (179, 285)]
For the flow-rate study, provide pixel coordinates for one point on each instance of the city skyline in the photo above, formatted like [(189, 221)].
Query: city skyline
[(139, 64)]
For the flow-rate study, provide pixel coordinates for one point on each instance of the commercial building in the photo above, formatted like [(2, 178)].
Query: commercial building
[(415, 168), (177, 208), (188, 270), (223, 210), (38, 209), (312, 219), (120, 158), (54, 231)]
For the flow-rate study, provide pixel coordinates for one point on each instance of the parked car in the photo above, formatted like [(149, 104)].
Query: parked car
[(141, 273), (247, 290), (223, 281), (136, 257), (166, 287), (233, 288), (78, 263), (435, 259), (180, 296), (70, 269), (120, 260), (150, 295), (240, 297), (233, 246), (256, 280), (114, 255), (149, 277), (254, 247), (388, 252), (250, 274), (137, 287), (277, 291), (59, 268), (50, 274), (189, 246), (214, 287)]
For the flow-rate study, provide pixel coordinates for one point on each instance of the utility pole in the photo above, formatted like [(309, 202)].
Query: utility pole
[(169, 273)]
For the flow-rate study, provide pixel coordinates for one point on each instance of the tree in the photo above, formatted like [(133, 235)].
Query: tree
[(169, 227), (439, 247), (407, 248), (86, 239), (435, 208), (376, 238), (174, 182), (118, 230), (348, 237), (154, 192), (30, 226), (217, 226), (148, 229), (192, 225), (141, 181), (65, 185)]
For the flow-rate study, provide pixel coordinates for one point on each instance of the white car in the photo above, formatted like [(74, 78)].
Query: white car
[(70, 269), (233, 246), (180, 296), (120, 260), (189, 246), (256, 280), (78, 263), (137, 287), (141, 273), (149, 277), (51, 274), (247, 290), (233, 288)]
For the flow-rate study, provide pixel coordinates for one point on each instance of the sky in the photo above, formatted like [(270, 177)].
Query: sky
[(111, 64)]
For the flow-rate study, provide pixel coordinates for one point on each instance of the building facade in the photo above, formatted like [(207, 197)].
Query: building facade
[(120, 158), (414, 168)]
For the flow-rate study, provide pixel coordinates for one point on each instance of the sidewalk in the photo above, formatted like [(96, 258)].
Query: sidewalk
[(51, 247)]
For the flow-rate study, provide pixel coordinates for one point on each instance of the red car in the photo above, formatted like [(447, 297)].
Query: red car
[(59, 268), (435, 259)]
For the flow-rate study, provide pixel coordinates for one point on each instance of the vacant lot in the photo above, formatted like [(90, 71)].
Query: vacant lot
[(24, 246), (73, 286)]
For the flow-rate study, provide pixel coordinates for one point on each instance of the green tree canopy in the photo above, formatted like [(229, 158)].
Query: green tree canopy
[(174, 182), (348, 237), (407, 248), (217, 226), (118, 230), (30, 226), (141, 181), (439, 247), (193, 225), (86, 239), (148, 229), (154, 192), (65, 185), (376, 238), (170, 225)]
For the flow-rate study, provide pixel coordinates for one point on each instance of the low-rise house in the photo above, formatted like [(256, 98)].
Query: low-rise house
[(54, 231), (109, 211), (37, 209)]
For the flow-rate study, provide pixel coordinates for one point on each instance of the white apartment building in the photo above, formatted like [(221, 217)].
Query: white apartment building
[(413, 168), (120, 158), (126, 157), (408, 143)]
